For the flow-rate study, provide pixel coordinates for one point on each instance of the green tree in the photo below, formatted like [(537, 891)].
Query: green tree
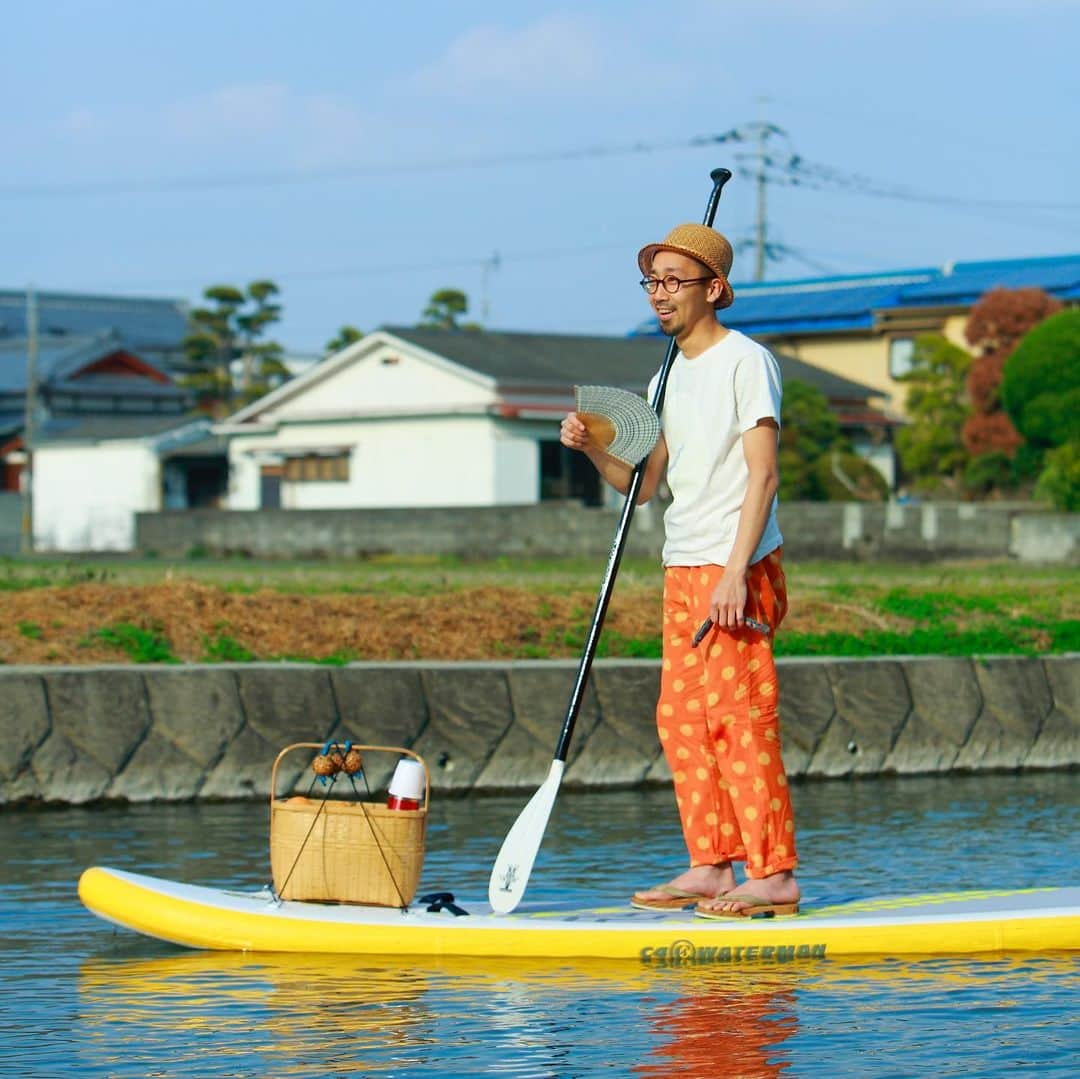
[(816, 461), (444, 309), (931, 446), (210, 345), (261, 361), (808, 429), (842, 475), (1059, 483), (346, 336), (1040, 387), (227, 332), (808, 424)]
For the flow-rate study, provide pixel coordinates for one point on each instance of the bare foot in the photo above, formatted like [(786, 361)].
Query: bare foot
[(705, 880), (780, 889)]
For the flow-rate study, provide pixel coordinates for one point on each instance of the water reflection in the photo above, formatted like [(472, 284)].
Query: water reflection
[(738, 1023), (289, 1015), (298, 1015)]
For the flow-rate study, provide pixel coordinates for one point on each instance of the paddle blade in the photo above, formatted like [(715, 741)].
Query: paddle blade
[(510, 874)]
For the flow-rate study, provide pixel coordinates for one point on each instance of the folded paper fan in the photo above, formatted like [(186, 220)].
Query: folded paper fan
[(618, 421)]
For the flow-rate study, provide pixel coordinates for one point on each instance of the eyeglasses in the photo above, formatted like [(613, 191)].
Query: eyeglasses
[(671, 283)]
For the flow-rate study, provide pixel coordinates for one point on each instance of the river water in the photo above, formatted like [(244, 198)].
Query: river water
[(78, 997)]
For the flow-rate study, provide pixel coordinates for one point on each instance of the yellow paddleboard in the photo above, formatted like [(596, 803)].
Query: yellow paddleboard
[(1036, 919)]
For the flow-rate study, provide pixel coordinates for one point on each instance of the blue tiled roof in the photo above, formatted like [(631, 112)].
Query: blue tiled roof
[(124, 386), (143, 323), (967, 281), (60, 358), (824, 304), (57, 357), (11, 421)]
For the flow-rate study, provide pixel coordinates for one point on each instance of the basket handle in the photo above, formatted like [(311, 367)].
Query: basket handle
[(359, 748)]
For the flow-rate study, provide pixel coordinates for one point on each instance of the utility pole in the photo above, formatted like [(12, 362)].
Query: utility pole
[(26, 531), (488, 267), (755, 165), (760, 237)]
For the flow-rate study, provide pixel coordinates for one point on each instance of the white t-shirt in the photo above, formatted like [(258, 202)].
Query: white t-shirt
[(711, 401)]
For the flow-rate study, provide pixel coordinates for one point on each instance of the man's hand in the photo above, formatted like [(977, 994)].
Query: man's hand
[(573, 433), (575, 436), (728, 601)]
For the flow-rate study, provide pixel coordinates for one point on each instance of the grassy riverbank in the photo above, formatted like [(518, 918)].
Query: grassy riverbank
[(82, 612)]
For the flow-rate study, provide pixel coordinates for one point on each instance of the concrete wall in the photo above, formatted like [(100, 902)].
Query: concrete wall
[(169, 733), (10, 522), (830, 530), (563, 529), (1051, 537)]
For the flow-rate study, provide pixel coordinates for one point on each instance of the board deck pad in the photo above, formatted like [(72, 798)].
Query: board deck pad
[(1035, 919)]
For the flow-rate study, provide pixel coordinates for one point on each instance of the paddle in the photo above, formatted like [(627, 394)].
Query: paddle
[(510, 874)]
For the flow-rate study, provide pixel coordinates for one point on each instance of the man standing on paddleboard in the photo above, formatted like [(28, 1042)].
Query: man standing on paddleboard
[(724, 588)]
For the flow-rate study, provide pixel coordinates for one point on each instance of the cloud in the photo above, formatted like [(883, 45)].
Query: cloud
[(262, 117), (248, 110), (558, 55)]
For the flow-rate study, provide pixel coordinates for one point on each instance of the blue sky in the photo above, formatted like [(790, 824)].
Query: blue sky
[(364, 155)]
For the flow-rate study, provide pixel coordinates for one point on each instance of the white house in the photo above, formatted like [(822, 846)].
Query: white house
[(422, 417), (111, 436), (90, 481), (390, 421)]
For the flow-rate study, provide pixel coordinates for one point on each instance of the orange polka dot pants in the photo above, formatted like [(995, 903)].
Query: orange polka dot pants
[(718, 722)]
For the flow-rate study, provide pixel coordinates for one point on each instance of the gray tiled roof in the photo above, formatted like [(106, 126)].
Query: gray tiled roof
[(557, 362), (101, 428), (551, 361), (211, 446)]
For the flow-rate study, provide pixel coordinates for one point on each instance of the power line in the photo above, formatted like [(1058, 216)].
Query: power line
[(800, 172), (785, 168), (291, 177)]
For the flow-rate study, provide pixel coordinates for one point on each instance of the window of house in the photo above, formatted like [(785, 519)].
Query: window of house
[(901, 352), (567, 474), (318, 468)]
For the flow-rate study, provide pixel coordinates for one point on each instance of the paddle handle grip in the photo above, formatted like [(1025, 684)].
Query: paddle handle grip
[(751, 623)]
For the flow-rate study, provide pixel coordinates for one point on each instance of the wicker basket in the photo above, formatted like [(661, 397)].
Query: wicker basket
[(346, 851)]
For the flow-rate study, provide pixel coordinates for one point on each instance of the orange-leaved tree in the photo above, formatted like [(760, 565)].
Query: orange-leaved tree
[(994, 328)]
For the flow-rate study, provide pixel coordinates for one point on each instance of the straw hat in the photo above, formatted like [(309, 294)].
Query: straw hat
[(698, 242)]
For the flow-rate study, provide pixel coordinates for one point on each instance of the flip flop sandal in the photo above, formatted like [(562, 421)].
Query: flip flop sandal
[(756, 908), (676, 899)]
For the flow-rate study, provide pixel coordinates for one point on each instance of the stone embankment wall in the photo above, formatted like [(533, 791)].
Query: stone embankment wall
[(829, 530), (141, 733)]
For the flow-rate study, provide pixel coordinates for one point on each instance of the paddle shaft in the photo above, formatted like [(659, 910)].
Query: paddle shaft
[(719, 177)]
